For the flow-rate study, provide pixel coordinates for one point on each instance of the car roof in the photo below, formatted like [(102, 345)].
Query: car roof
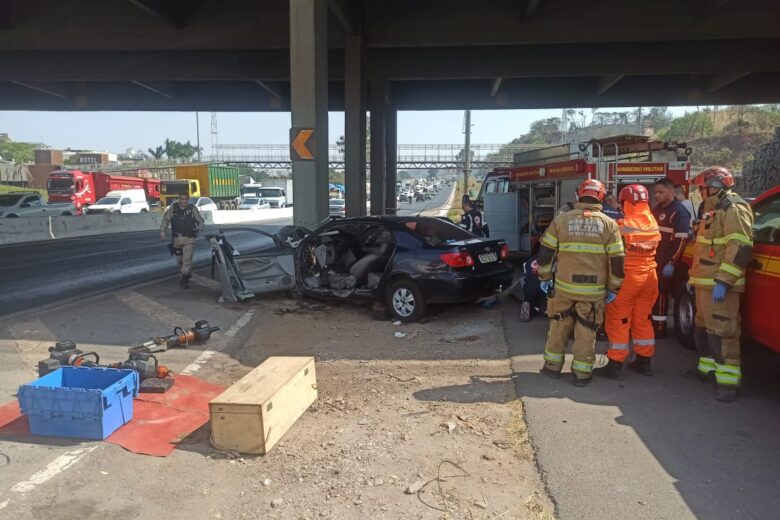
[(390, 221)]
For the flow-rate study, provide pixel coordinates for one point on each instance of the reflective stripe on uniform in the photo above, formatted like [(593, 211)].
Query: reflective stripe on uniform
[(644, 342), (664, 229), (552, 357), (731, 269), (659, 318), (549, 240), (706, 365), (710, 282), (681, 235), (544, 268), (615, 248), (739, 237), (619, 346), (730, 375), (581, 247), (582, 366), (582, 289)]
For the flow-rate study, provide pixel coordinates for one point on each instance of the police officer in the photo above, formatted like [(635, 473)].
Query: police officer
[(674, 223), (580, 267), (472, 218), (185, 221), (723, 248)]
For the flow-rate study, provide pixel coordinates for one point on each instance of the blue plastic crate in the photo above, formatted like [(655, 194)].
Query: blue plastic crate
[(85, 402)]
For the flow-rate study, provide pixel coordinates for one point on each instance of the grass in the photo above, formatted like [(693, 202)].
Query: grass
[(5, 188), (455, 210)]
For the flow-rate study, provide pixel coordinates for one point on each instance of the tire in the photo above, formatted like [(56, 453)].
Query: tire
[(684, 312), (144, 210), (405, 301)]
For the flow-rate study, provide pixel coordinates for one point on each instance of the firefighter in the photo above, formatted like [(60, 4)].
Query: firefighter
[(674, 223), (629, 314), (472, 218), (580, 266), (185, 221), (723, 248)]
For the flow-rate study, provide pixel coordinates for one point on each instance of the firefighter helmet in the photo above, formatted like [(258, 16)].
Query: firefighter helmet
[(634, 193), (715, 177), (591, 188)]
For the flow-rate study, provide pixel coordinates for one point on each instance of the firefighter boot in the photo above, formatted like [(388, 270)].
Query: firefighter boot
[(549, 372), (185, 281), (612, 370), (641, 365), (726, 394), (581, 381)]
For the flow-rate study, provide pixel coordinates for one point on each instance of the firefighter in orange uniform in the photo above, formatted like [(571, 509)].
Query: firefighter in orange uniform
[(723, 248), (628, 316)]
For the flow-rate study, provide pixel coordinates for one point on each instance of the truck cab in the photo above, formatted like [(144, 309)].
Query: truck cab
[(170, 190), (762, 279), (72, 186)]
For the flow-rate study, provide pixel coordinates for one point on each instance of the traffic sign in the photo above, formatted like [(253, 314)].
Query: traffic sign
[(303, 144)]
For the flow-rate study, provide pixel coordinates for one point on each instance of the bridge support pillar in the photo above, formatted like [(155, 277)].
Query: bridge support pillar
[(378, 161), (309, 100), (391, 159), (354, 127)]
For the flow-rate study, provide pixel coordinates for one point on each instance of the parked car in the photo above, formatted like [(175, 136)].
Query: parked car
[(762, 279), (253, 204), (338, 207), (406, 262), (30, 204), (120, 201), (204, 204)]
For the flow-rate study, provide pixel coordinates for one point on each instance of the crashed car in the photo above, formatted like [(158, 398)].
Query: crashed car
[(404, 262)]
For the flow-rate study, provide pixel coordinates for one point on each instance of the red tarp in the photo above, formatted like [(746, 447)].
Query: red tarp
[(159, 420)]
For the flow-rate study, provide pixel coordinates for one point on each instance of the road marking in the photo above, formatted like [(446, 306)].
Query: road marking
[(219, 344), (208, 283), (54, 468), (152, 309), (4, 503)]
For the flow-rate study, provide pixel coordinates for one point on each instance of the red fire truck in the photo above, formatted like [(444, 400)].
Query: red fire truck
[(520, 202), (85, 188)]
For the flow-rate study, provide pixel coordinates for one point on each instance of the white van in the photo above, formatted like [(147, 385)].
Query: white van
[(124, 201)]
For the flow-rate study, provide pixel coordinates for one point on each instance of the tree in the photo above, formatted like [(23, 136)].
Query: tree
[(17, 152), (157, 153), (690, 126)]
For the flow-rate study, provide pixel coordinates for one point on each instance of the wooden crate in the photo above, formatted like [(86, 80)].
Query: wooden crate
[(253, 414)]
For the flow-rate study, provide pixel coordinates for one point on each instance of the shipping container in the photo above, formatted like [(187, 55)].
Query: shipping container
[(216, 182)]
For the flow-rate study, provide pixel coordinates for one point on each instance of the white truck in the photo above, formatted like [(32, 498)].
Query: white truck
[(120, 201), (287, 190), (30, 204)]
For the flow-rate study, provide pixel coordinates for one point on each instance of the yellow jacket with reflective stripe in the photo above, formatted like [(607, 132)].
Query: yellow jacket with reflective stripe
[(724, 243), (578, 246)]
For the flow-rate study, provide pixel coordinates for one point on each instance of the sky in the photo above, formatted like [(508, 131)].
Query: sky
[(118, 131)]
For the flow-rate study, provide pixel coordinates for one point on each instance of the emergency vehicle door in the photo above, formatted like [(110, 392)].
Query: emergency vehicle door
[(504, 213)]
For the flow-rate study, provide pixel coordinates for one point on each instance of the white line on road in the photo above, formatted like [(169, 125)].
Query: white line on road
[(54, 468), (152, 309), (218, 345)]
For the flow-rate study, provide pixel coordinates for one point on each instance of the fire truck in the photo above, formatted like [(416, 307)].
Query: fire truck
[(520, 202), (85, 188)]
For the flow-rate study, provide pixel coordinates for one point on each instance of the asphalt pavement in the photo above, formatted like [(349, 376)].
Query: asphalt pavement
[(655, 447)]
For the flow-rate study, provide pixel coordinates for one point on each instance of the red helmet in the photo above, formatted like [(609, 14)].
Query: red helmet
[(591, 188), (715, 177), (634, 193)]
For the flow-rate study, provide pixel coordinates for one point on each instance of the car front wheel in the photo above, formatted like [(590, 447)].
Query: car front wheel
[(405, 301), (684, 313)]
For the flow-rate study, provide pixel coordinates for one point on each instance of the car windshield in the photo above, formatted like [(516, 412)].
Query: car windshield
[(60, 184), (9, 200), (437, 231), (251, 201), (270, 192), (108, 200)]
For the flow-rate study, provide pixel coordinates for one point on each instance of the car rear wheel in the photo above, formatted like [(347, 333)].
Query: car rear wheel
[(405, 301), (684, 313)]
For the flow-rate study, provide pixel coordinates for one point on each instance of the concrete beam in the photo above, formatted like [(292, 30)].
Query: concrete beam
[(718, 81), (354, 127), (391, 160), (174, 12), (343, 12), (607, 82), (530, 8), (495, 87), (309, 97), (165, 91), (274, 91), (378, 147), (43, 89)]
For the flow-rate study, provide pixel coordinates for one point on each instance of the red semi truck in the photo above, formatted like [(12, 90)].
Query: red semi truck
[(85, 188)]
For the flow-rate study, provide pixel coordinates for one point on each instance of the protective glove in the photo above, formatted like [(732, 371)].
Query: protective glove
[(546, 286), (610, 297), (668, 271), (719, 292)]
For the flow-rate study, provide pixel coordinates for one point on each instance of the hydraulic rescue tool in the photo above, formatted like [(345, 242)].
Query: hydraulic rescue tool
[(65, 353), (181, 338)]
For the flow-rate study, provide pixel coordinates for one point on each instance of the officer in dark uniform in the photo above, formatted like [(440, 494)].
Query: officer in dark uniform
[(674, 223), (185, 221), (472, 218)]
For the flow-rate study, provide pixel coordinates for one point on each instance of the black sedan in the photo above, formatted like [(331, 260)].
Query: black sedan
[(405, 262)]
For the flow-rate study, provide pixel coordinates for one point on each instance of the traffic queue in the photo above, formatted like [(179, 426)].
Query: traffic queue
[(600, 272)]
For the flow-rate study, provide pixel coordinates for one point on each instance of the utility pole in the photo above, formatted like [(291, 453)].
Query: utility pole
[(466, 151), (197, 131)]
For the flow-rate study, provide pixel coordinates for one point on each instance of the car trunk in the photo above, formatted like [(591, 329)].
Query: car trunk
[(486, 252)]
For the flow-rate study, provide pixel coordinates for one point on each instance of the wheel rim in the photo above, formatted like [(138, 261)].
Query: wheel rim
[(403, 302), (685, 315)]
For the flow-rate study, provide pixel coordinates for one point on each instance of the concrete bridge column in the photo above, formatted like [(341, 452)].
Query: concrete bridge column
[(378, 156), (309, 100), (354, 127), (391, 159)]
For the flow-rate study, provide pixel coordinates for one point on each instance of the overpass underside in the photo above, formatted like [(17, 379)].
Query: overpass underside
[(311, 56)]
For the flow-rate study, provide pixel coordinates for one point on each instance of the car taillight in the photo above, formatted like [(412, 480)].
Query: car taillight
[(460, 259), (504, 253), (72, 197)]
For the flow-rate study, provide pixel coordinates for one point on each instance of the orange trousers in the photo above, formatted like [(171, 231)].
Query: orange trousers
[(628, 317)]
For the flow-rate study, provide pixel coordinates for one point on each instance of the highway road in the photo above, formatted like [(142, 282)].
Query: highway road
[(42, 273)]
